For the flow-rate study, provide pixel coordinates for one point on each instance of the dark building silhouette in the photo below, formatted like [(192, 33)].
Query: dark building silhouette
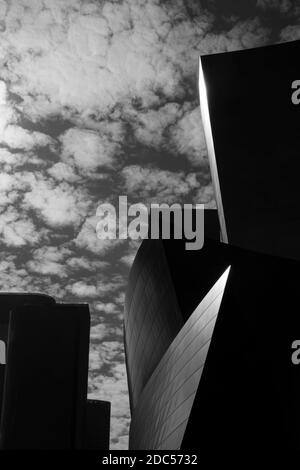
[(252, 131), (44, 379), (97, 425), (220, 378), (229, 366)]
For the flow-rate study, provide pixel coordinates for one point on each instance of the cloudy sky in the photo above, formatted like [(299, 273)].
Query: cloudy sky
[(99, 99)]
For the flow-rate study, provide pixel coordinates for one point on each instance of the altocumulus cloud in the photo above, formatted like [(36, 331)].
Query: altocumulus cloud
[(99, 99)]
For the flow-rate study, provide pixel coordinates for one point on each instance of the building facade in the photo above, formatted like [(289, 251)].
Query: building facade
[(226, 376), (44, 374), (209, 333)]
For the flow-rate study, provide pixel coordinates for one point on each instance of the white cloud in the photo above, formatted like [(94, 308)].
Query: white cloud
[(59, 205), (98, 332), (49, 260), (108, 352), (78, 263), (7, 114), (55, 289), (3, 93), (6, 157), (7, 182), (51, 253), (16, 137), (187, 136), (16, 230), (63, 172), (110, 286), (88, 59), (10, 161), (81, 289), (108, 307), (151, 125), (87, 238), (89, 288), (13, 278), (243, 35), (205, 195), (13, 135), (47, 268), (128, 259), (152, 184), (120, 299), (87, 149)]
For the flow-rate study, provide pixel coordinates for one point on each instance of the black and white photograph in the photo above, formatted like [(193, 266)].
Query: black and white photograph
[(150, 230)]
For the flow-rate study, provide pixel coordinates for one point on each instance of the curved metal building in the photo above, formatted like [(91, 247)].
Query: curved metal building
[(227, 375), (152, 316), (209, 333), (161, 416)]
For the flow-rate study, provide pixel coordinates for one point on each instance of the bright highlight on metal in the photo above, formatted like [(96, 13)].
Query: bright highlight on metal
[(211, 151)]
